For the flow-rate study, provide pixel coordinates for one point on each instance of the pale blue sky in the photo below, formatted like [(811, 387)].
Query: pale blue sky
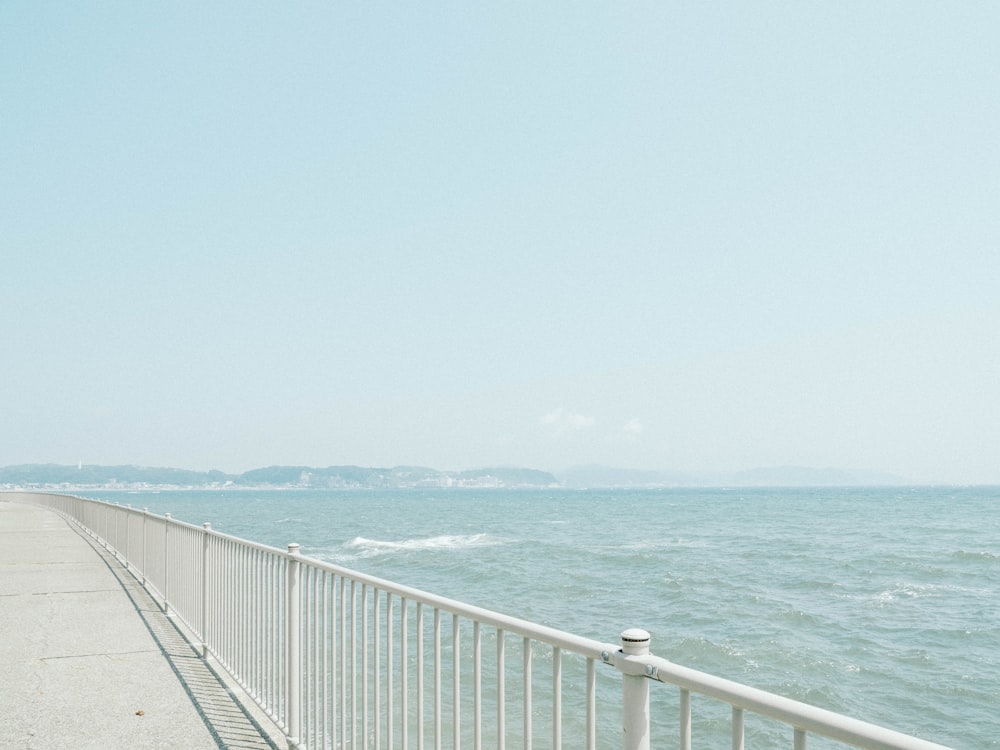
[(683, 236)]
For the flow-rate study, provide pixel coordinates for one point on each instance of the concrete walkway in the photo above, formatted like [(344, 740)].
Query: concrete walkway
[(88, 659)]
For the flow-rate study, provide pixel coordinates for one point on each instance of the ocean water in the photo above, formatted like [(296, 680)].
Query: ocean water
[(880, 603)]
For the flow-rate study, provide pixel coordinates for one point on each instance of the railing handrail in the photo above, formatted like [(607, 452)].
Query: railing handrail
[(787, 710), (802, 717)]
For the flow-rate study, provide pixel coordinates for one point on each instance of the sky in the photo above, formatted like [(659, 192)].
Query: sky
[(676, 236)]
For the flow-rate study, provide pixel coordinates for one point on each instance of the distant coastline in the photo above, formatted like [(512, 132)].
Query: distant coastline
[(58, 477), (85, 476)]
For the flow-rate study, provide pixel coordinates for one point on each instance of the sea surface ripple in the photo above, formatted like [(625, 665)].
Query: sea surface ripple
[(881, 603)]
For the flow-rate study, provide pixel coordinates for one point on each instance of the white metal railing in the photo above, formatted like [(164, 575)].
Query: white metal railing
[(340, 659)]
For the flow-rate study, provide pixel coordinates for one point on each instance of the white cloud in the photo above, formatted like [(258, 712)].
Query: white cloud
[(561, 421), (629, 434), (633, 427)]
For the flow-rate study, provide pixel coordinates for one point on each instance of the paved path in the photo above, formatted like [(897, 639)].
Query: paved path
[(88, 660)]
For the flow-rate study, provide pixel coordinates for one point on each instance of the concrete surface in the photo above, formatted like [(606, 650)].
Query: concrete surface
[(89, 660)]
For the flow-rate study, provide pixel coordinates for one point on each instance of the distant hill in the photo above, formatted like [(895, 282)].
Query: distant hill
[(331, 477), (780, 476), (55, 476), (804, 476), (508, 476), (103, 475), (593, 475)]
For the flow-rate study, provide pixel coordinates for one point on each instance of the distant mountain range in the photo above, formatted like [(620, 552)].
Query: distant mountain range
[(56, 476), (780, 476), (330, 477)]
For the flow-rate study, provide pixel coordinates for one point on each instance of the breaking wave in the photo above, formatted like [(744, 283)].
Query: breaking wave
[(363, 547)]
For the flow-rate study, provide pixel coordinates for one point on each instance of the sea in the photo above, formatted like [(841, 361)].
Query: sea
[(879, 603)]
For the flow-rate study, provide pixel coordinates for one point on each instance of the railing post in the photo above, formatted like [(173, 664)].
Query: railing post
[(294, 646), (166, 564), (204, 589), (145, 514), (116, 545), (635, 694)]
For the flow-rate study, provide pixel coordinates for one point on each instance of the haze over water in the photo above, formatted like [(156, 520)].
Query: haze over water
[(880, 603)]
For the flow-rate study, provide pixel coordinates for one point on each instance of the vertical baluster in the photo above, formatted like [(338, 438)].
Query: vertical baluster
[(225, 602), (456, 692), (261, 601), (205, 578), (354, 666), (420, 676), (246, 624), (328, 666), (389, 673), (591, 705), (501, 691), (221, 628), (253, 626), (264, 590), (260, 632), (685, 720), (737, 728), (178, 581), (231, 617), (250, 626), (377, 656), (318, 663), (263, 605), (267, 607), (279, 604), (344, 671), (365, 666), (556, 698), (192, 588), (246, 617), (145, 515), (437, 679), (267, 620), (166, 564), (278, 651), (526, 661), (282, 654), (477, 686), (404, 658), (304, 736), (294, 654), (260, 564), (232, 633), (244, 631), (194, 566), (800, 739), (315, 660)]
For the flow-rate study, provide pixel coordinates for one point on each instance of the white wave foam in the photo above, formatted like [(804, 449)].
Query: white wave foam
[(653, 545), (908, 591), (363, 547), (966, 555)]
